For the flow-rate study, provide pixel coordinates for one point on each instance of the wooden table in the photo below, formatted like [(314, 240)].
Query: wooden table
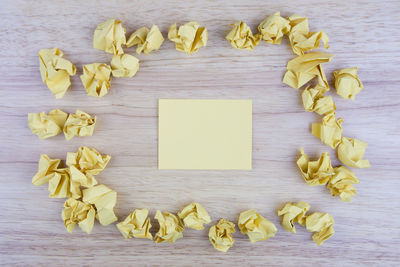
[(362, 33)]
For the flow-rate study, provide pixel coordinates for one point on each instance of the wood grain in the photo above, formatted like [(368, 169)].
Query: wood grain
[(362, 33)]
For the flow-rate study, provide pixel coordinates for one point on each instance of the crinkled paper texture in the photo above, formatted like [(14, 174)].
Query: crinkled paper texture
[(273, 28), (220, 235), (96, 79), (189, 37), (124, 65), (146, 40), (86, 163), (194, 216), (109, 36), (293, 212), (341, 184), (315, 101), (55, 71), (329, 131), (241, 37), (304, 68), (77, 212), (315, 172), (47, 125), (301, 39), (171, 227), (104, 199), (136, 224), (256, 226), (351, 152), (79, 124), (347, 83), (322, 225), (60, 183), (46, 170)]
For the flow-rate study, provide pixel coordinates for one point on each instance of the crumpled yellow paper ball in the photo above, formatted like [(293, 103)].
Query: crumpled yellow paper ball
[(341, 184), (255, 226), (241, 37), (300, 37), (347, 83), (59, 179), (46, 170), (136, 224), (315, 101), (124, 65), (55, 71), (293, 212), (79, 124), (351, 152), (304, 68), (220, 235), (273, 28), (322, 225), (109, 36), (329, 131), (59, 185), (315, 172), (96, 79), (189, 37), (171, 227), (78, 212), (47, 125), (104, 199), (86, 163), (194, 216), (146, 40)]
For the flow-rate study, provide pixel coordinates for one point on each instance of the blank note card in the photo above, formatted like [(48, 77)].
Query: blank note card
[(204, 134)]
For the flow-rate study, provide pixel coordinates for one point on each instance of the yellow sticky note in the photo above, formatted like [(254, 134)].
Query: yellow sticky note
[(205, 134)]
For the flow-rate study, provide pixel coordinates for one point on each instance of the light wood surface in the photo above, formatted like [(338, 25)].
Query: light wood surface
[(362, 33)]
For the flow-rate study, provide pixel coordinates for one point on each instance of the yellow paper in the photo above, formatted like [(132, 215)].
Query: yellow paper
[(46, 170), (189, 37), (273, 28), (60, 184), (341, 184), (75, 211), (79, 124), (304, 68), (315, 100), (147, 40), (315, 172), (220, 235), (171, 227), (124, 65), (194, 216), (138, 37), (47, 125), (110, 36), (293, 212), (347, 83), (241, 37), (136, 224), (104, 199), (351, 152), (329, 131), (322, 225), (205, 134), (86, 163), (301, 39), (96, 79), (55, 71), (256, 226)]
